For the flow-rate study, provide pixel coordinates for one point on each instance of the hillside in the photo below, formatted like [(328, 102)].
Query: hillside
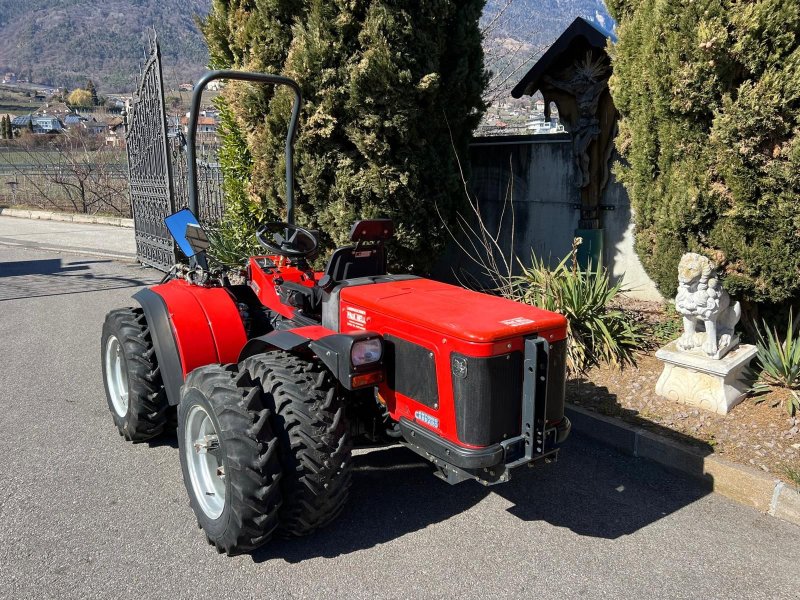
[(517, 32), (64, 42)]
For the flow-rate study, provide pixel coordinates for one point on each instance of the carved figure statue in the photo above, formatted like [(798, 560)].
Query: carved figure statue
[(586, 80), (705, 307)]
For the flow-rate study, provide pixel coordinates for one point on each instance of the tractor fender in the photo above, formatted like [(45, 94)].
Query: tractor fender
[(192, 326), (169, 362), (288, 340), (332, 349)]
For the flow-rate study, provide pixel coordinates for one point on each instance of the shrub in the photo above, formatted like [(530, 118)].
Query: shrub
[(778, 362), (597, 333), (709, 96), (231, 245)]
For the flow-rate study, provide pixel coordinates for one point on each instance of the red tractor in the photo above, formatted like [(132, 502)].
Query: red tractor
[(272, 378)]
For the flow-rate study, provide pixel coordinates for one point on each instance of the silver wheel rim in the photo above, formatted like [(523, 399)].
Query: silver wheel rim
[(204, 459), (117, 376)]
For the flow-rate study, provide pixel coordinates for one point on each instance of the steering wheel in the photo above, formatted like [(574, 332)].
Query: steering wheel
[(287, 240)]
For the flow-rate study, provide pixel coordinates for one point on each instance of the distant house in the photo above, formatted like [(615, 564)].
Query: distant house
[(116, 132), (60, 109), (96, 127), (186, 87), (10, 78), (41, 124), (74, 120), (214, 86), (205, 125)]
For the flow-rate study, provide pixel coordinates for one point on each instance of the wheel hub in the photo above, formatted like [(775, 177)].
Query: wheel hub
[(117, 376), (204, 459)]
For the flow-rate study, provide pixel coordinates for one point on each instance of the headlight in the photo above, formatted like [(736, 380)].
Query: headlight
[(365, 352)]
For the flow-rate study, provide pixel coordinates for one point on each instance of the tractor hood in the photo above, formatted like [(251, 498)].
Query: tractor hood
[(446, 309)]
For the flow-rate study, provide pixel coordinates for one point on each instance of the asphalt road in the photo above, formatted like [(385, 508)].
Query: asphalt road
[(91, 239), (84, 514)]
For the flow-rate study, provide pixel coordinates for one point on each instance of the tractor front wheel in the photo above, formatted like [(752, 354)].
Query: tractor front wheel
[(134, 390), (229, 458), (309, 421)]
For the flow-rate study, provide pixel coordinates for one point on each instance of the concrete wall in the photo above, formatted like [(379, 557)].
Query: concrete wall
[(537, 173)]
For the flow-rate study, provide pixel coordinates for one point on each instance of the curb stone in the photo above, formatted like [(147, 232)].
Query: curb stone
[(46, 215), (738, 482)]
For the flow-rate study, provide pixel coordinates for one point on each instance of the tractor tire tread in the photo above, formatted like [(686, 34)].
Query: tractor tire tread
[(254, 467), (314, 441), (148, 406)]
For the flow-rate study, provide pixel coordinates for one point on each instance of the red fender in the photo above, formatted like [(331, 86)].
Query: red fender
[(205, 322)]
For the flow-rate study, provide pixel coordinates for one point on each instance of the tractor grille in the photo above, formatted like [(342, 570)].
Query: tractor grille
[(411, 370), (487, 393)]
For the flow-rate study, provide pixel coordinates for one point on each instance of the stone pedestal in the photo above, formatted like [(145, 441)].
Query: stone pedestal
[(712, 384)]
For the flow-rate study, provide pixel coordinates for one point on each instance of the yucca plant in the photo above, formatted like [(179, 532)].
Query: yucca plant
[(778, 362), (232, 244), (596, 332)]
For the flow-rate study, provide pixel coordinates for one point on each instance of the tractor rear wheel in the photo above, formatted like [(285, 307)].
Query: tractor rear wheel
[(310, 424), (134, 389), (229, 458)]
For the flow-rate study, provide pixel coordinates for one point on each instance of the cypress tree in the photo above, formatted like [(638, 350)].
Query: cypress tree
[(709, 93), (392, 91), (247, 36), (93, 92)]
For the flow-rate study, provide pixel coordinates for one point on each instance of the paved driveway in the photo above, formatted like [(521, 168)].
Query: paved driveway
[(84, 514), (57, 235)]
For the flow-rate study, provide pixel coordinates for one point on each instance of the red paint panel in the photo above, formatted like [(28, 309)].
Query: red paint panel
[(263, 282), (453, 311), (224, 320), (189, 324), (206, 323)]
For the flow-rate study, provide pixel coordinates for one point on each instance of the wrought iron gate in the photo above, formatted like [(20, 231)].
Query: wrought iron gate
[(149, 167)]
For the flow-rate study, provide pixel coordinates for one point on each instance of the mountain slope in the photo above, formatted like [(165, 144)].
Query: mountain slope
[(516, 32), (64, 42)]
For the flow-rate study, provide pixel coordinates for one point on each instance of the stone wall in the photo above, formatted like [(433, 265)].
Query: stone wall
[(546, 206)]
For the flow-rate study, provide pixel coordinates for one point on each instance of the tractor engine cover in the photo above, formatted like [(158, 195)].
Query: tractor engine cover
[(454, 357)]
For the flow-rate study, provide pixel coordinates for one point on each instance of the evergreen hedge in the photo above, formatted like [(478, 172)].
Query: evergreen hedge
[(392, 93), (709, 93)]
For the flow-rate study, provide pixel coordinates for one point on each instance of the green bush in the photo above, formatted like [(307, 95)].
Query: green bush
[(597, 333), (392, 92), (778, 362), (709, 96), (231, 244)]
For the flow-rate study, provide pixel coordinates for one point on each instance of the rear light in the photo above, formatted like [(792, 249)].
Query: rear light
[(365, 379), (366, 352)]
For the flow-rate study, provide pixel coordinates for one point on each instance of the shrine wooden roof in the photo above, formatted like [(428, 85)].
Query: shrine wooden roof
[(582, 32)]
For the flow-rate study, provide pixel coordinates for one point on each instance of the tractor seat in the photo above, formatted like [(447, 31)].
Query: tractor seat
[(367, 258)]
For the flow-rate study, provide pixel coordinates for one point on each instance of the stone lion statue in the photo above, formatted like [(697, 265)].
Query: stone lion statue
[(708, 315)]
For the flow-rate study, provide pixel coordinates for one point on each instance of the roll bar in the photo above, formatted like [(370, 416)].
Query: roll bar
[(194, 111)]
